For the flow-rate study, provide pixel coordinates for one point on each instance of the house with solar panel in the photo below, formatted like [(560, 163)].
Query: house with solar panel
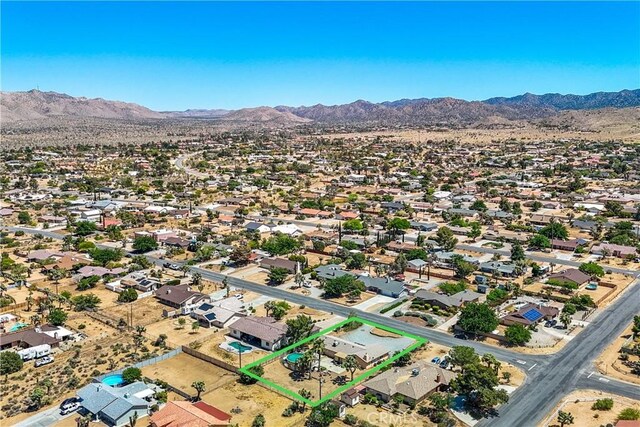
[(530, 314), (220, 313)]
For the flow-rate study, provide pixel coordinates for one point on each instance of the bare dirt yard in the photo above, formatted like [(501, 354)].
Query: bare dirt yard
[(609, 362), (224, 391), (579, 405)]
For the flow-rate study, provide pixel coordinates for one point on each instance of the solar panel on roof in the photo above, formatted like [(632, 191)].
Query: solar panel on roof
[(210, 316), (206, 307), (532, 315)]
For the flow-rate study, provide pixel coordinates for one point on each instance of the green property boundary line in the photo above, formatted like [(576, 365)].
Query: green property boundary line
[(313, 403)]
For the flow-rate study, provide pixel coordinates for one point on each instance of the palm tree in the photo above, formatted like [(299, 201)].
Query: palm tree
[(566, 319), (200, 387), (350, 364)]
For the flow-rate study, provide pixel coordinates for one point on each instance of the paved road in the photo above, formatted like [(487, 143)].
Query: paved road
[(541, 258), (549, 378), (44, 418)]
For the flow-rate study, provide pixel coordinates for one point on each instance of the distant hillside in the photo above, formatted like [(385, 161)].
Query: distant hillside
[(196, 114), (263, 115), (34, 105), (622, 99)]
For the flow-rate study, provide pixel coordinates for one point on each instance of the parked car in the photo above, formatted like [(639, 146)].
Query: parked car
[(435, 360), (171, 266), (444, 364), (460, 336), (239, 296), (44, 361), (69, 405)]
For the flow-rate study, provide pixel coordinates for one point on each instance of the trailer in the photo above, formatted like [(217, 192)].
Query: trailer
[(35, 352)]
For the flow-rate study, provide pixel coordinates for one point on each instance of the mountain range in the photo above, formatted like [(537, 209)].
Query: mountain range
[(35, 105)]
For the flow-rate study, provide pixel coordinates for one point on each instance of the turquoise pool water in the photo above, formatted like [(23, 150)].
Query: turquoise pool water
[(293, 357), (239, 346), (113, 380), (18, 326), (591, 286)]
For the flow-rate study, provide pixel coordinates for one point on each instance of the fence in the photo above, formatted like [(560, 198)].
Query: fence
[(209, 359), (13, 307), (160, 358)]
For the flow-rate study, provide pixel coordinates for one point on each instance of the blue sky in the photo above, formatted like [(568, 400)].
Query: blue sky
[(173, 56)]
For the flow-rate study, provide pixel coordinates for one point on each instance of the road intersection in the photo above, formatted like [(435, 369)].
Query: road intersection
[(549, 377)]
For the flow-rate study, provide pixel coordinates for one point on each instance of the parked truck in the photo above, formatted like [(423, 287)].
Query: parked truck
[(35, 352)]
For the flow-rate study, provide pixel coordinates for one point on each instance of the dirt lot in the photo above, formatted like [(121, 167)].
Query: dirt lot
[(145, 310), (579, 404), (223, 391), (608, 362)]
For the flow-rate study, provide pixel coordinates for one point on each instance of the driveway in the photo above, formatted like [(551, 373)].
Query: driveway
[(45, 418)]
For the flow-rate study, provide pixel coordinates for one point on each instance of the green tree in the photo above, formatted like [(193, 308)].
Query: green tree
[(463, 356), (592, 269), (517, 334), (128, 295), (24, 217), (517, 253), (281, 244), (446, 239), (84, 228), (258, 421), (299, 328), (399, 265), (478, 205), (565, 418), (131, 375), (335, 288), (461, 267), (57, 316), (539, 242), (256, 370), (10, 362), (85, 302), (474, 232), (398, 225), (278, 275), (555, 230), (353, 225), (478, 317), (105, 256), (38, 397), (322, 415), (241, 255), (144, 244), (350, 364), (200, 388)]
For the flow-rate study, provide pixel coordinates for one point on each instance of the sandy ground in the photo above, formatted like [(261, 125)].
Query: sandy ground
[(223, 390), (609, 364), (579, 404)]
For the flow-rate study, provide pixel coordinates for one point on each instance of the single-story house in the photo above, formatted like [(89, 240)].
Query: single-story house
[(179, 413), (529, 315), (618, 251), (447, 301), (264, 332), (26, 338), (414, 382), (565, 245), (257, 227), (219, 313), (383, 286), (181, 297), (506, 269), (366, 355), (269, 263), (114, 405), (572, 275)]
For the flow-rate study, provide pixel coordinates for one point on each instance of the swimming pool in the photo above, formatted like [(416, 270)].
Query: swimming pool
[(293, 357), (115, 380), (18, 326), (240, 347)]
